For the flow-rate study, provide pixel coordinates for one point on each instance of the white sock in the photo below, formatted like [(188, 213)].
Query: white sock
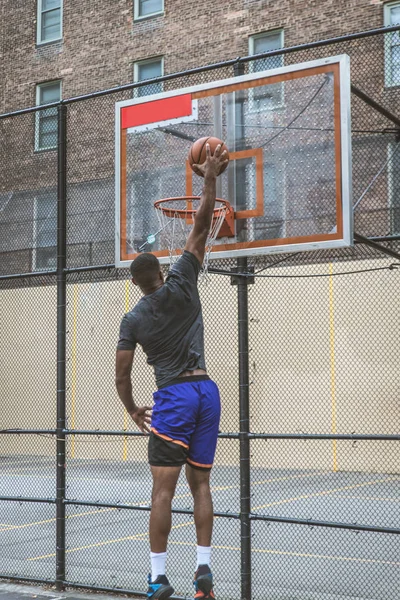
[(158, 560), (203, 555)]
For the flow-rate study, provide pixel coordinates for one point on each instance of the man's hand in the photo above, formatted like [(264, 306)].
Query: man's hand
[(142, 417), (213, 163)]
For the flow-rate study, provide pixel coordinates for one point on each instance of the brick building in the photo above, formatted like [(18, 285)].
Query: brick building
[(52, 49)]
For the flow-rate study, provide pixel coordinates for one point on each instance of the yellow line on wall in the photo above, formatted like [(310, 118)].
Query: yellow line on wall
[(332, 365), (73, 368), (125, 448)]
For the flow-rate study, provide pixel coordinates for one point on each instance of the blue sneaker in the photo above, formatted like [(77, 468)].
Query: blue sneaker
[(203, 583), (159, 589)]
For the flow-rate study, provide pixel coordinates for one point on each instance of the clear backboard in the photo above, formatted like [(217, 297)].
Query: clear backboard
[(289, 176)]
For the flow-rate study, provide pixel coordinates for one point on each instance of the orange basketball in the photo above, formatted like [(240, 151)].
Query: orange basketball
[(197, 153)]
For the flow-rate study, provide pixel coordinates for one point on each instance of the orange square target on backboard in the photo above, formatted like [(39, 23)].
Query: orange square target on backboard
[(289, 175)]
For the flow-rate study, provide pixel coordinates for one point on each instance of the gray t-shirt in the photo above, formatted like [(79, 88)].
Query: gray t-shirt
[(168, 323)]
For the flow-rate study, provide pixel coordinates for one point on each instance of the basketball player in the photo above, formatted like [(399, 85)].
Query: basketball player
[(167, 322)]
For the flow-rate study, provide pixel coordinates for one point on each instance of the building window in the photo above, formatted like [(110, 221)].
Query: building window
[(394, 187), (148, 8), (49, 21), (266, 97), (46, 119), (45, 233), (392, 45), (148, 69)]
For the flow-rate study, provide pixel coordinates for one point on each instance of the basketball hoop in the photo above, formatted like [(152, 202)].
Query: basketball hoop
[(176, 218)]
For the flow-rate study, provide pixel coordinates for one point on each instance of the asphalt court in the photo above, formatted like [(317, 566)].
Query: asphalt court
[(109, 547)]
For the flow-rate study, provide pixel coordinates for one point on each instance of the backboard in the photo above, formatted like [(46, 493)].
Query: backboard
[(289, 176)]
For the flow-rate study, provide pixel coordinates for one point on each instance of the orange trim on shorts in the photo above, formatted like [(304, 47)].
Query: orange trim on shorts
[(168, 439), (198, 464)]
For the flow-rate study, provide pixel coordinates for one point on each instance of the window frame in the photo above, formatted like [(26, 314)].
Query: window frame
[(39, 86), (252, 38), (39, 41), (387, 8), (393, 150), (35, 233), (138, 17), (147, 61)]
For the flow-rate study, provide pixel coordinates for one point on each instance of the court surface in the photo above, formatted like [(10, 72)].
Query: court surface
[(109, 547)]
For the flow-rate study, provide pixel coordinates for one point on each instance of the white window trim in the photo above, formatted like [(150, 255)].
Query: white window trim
[(265, 34), (39, 40), (138, 17), (388, 63), (251, 63), (146, 61), (37, 114)]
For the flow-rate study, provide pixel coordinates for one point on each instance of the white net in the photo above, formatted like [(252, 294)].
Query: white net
[(176, 219)]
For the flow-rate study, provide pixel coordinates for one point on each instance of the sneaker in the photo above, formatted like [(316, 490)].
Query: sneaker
[(203, 583), (159, 589)]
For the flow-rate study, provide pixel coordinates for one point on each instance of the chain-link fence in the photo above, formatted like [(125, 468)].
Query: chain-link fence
[(306, 479)]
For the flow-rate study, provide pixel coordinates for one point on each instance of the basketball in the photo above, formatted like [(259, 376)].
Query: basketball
[(197, 153)]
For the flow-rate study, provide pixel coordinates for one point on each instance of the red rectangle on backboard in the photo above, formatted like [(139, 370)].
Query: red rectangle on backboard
[(156, 110)]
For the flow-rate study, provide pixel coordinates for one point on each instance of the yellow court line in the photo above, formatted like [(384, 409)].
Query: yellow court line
[(89, 512), (374, 498), (213, 489), (289, 477), (12, 527), (298, 554), (325, 493), (138, 536), (105, 543), (216, 488), (222, 488)]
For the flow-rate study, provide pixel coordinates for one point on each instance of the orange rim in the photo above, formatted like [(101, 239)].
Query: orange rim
[(183, 213)]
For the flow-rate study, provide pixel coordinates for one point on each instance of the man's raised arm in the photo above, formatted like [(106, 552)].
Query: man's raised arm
[(211, 168)]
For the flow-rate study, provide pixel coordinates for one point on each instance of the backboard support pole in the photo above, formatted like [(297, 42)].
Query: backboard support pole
[(244, 395), (368, 242)]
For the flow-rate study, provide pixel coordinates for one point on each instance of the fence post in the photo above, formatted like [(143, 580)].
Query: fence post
[(243, 333), (245, 529), (61, 340)]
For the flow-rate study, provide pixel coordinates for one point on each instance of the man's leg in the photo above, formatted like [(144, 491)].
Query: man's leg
[(164, 484), (199, 463), (199, 483)]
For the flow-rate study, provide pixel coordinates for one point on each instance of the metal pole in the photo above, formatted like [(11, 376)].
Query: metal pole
[(243, 324), (375, 105), (244, 429), (368, 242), (61, 342)]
